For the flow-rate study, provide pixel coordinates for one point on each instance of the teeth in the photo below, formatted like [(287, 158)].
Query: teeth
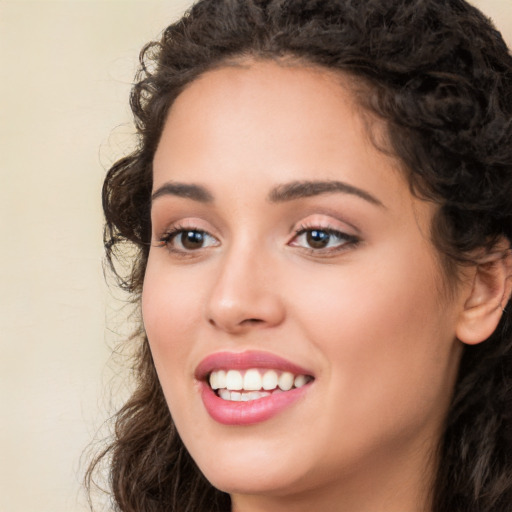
[(221, 379), (300, 380), (214, 380), (286, 381), (225, 394), (269, 380), (234, 380), (236, 396), (218, 379), (252, 380), (232, 384)]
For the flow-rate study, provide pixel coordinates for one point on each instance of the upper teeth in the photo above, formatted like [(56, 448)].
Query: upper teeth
[(256, 380)]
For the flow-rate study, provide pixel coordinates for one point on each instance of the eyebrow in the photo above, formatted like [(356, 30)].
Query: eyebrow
[(185, 190), (300, 189), (282, 193)]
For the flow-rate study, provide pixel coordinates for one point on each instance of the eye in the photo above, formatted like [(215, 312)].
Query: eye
[(187, 240), (322, 239)]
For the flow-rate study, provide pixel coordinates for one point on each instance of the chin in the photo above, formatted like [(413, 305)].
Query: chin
[(255, 469), (255, 481)]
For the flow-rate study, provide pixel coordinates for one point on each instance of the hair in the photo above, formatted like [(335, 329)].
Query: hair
[(440, 76)]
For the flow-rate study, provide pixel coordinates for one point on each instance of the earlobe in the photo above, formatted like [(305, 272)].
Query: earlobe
[(483, 308)]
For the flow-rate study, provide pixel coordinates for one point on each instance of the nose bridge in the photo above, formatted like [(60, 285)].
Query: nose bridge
[(243, 295)]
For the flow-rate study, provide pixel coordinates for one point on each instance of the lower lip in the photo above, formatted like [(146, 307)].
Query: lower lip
[(251, 412)]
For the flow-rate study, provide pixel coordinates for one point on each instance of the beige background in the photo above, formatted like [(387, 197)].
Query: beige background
[(65, 73)]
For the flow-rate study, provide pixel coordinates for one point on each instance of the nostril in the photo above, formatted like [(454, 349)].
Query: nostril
[(244, 323), (252, 321)]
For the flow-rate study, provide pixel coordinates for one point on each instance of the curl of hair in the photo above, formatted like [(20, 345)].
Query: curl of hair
[(440, 76)]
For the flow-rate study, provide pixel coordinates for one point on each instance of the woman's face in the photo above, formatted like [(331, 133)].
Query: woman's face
[(288, 251)]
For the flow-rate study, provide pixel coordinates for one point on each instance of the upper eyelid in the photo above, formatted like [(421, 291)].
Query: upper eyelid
[(318, 220), (326, 229), (329, 223), (168, 237), (193, 224), (176, 230), (331, 231)]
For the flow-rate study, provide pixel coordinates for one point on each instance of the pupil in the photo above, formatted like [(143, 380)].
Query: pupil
[(192, 239), (317, 239)]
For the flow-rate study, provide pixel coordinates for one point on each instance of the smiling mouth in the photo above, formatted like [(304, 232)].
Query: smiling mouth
[(254, 383)]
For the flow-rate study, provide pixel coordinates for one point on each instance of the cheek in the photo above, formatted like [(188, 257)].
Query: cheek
[(386, 338), (171, 307), (361, 304)]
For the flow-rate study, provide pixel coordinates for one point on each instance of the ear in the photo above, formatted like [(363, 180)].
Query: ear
[(483, 308)]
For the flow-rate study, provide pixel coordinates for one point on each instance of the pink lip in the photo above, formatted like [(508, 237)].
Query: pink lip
[(254, 411), (248, 413), (245, 361)]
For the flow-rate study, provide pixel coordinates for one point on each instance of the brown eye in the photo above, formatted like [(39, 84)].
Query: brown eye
[(323, 240), (191, 240), (317, 239), (185, 240)]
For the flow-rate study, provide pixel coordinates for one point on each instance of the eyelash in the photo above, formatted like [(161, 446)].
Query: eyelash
[(167, 238), (348, 240)]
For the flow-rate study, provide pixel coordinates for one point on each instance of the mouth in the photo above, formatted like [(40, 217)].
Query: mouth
[(250, 387), (254, 383)]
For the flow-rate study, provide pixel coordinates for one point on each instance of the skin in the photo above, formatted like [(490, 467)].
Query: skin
[(372, 320)]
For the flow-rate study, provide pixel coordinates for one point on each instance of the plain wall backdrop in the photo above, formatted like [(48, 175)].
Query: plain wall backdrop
[(65, 74)]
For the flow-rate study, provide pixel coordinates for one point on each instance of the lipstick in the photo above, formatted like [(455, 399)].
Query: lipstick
[(236, 403)]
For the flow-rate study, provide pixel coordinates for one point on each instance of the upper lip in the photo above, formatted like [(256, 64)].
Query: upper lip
[(245, 361)]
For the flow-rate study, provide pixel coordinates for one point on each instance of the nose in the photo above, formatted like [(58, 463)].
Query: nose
[(245, 294)]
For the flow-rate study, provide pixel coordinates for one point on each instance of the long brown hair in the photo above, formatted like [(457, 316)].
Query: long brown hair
[(440, 76)]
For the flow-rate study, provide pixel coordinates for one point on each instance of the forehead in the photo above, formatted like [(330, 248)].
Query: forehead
[(266, 120)]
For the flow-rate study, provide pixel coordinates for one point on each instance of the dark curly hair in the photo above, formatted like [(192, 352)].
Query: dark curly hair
[(440, 76)]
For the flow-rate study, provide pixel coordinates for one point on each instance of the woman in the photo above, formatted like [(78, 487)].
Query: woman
[(321, 206)]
